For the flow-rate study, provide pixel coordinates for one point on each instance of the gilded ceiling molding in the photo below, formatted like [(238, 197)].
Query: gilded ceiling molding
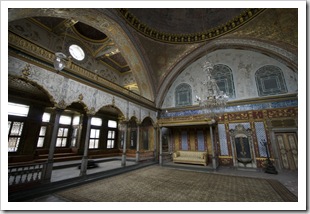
[(189, 38), (83, 74), (97, 19)]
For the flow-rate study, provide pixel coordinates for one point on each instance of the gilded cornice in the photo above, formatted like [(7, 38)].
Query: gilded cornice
[(189, 38), (184, 121), (78, 73)]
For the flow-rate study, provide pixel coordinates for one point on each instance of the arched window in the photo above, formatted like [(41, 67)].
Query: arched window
[(270, 81), (224, 79), (183, 95)]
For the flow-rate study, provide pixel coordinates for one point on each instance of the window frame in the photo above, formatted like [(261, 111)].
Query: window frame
[(61, 126), (183, 89), (12, 120), (96, 128), (270, 72)]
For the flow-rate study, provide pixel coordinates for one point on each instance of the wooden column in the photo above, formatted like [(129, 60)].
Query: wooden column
[(47, 173), (155, 143), (138, 143), (124, 124), (84, 162), (160, 146)]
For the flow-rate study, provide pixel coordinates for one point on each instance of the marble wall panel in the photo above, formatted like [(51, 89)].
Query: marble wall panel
[(68, 90)]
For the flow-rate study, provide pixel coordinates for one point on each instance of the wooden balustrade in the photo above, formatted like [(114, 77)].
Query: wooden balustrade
[(26, 174)]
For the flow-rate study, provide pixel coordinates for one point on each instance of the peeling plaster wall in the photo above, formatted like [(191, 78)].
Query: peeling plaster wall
[(68, 90), (243, 64)]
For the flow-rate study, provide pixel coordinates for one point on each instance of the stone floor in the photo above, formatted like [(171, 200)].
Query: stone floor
[(287, 178)]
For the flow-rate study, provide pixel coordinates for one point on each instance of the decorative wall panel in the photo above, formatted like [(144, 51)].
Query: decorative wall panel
[(245, 125), (67, 91), (200, 140), (242, 63), (184, 140), (261, 135), (222, 139)]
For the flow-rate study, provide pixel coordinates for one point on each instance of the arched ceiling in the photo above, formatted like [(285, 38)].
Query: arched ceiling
[(163, 37)]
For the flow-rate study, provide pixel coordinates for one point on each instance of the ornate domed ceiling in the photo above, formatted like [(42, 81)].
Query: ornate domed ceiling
[(186, 25), (148, 47)]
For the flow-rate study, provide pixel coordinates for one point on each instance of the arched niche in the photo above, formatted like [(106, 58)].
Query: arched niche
[(147, 134), (242, 147), (133, 135)]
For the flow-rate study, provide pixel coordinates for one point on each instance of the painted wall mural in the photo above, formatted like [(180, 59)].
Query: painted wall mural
[(243, 65), (64, 89)]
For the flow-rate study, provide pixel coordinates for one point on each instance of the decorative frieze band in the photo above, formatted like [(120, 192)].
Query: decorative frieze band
[(188, 38)]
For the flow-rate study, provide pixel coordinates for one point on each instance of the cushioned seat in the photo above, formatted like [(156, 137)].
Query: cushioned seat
[(193, 157)]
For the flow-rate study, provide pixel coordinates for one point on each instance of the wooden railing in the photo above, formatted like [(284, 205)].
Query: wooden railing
[(26, 174), (145, 155)]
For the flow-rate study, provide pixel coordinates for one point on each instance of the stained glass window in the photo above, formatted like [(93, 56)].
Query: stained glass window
[(270, 81), (224, 79), (183, 95)]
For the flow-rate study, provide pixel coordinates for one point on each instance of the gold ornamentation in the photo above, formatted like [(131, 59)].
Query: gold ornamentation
[(188, 38), (113, 101), (81, 97), (26, 70), (62, 104), (48, 56), (91, 111)]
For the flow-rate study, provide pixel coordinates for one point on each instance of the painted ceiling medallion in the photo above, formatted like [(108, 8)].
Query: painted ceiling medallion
[(201, 36)]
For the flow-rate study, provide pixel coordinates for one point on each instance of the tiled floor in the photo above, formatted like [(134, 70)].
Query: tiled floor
[(287, 178)]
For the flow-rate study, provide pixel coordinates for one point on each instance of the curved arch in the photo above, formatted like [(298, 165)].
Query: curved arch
[(103, 23), (134, 119), (31, 87), (112, 109), (285, 56), (77, 104), (150, 119)]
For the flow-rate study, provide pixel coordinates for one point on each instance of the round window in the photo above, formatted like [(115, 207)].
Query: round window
[(76, 52)]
